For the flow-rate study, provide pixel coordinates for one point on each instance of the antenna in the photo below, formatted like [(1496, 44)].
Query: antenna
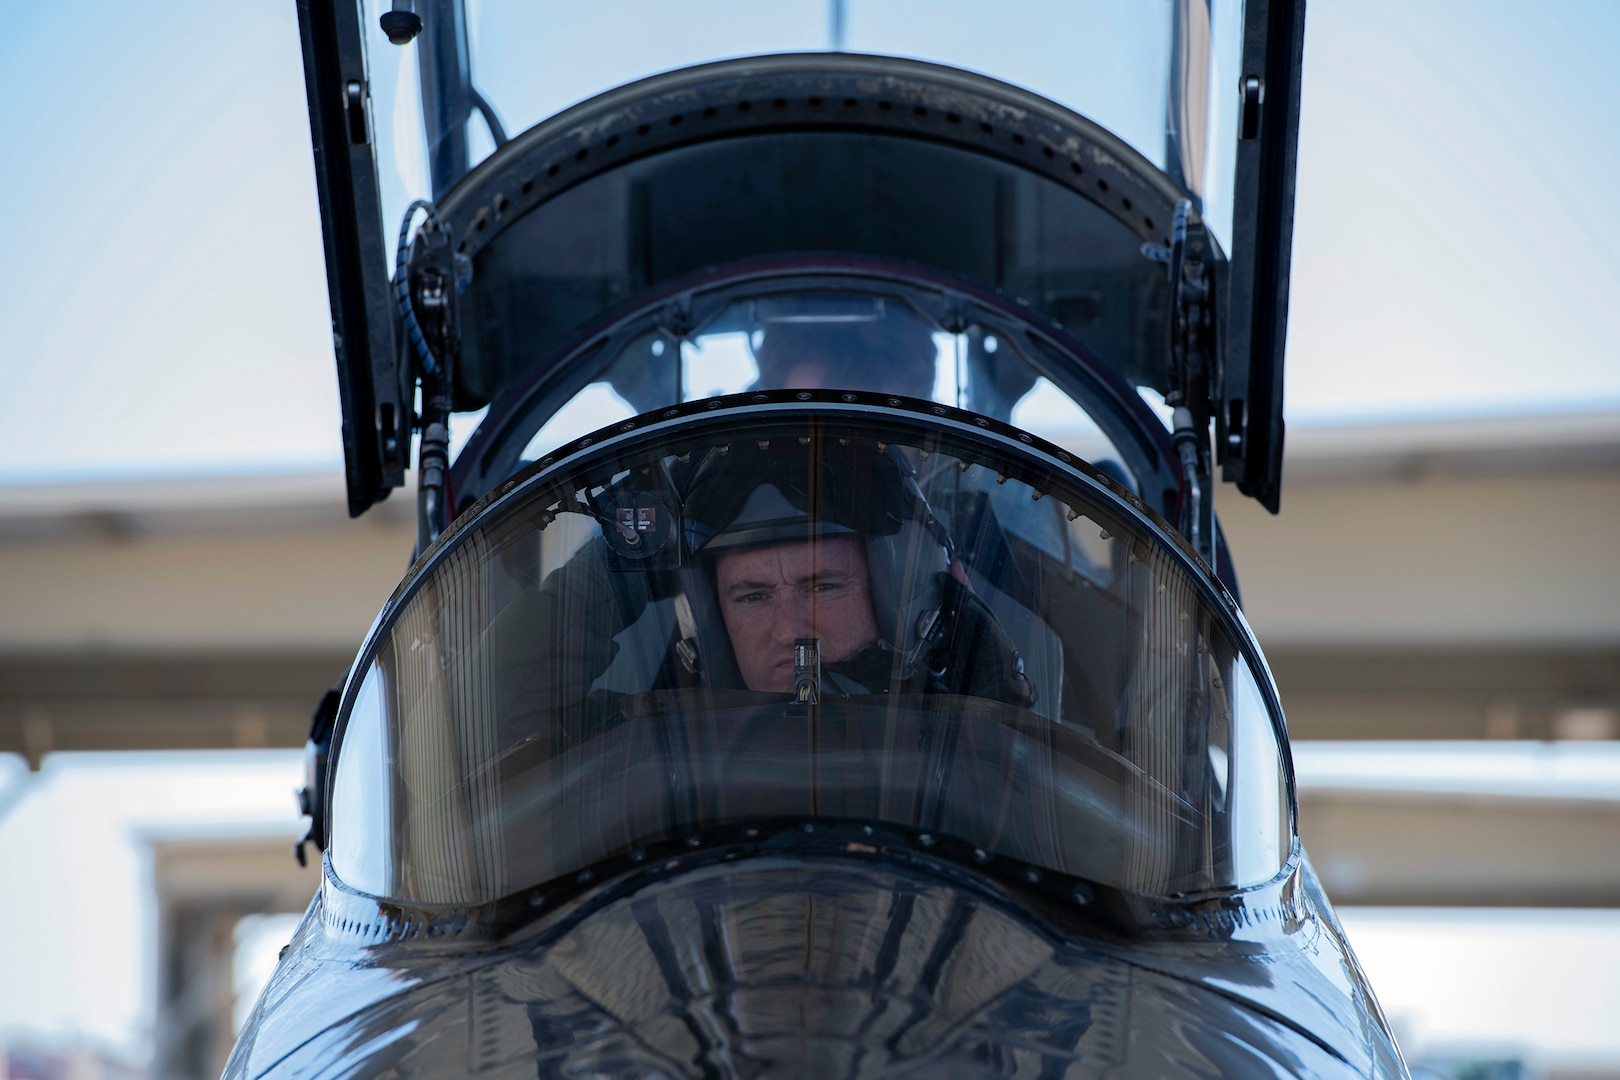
[(835, 25)]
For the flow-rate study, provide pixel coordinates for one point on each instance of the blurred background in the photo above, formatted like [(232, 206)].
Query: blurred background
[(179, 582)]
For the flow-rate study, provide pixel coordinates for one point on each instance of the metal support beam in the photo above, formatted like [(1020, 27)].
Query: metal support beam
[(1447, 693), (182, 701), (1386, 848)]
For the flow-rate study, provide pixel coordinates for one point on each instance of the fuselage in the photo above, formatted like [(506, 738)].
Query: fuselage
[(830, 954)]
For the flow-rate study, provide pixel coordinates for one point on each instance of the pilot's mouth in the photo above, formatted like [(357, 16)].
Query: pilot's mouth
[(781, 678)]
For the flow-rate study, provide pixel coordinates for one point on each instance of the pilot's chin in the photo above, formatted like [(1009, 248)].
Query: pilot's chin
[(780, 681)]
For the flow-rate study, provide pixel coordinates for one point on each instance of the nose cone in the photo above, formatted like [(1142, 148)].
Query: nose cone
[(777, 969)]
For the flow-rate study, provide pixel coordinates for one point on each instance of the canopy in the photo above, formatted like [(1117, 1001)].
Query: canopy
[(814, 608), (1122, 239)]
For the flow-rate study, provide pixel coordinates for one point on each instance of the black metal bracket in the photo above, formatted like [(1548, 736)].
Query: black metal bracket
[(312, 796), (1195, 375), (356, 271), (429, 277), (1256, 300)]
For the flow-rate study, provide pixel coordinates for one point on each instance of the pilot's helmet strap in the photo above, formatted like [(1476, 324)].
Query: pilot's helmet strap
[(686, 646)]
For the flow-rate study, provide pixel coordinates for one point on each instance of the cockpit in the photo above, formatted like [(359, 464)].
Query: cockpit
[(808, 606)]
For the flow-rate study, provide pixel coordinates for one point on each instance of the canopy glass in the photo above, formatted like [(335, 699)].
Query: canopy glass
[(800, 611), (1162, 76), (833, 330)]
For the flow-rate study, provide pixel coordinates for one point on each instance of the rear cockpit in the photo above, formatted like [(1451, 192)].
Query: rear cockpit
[(870, 328)]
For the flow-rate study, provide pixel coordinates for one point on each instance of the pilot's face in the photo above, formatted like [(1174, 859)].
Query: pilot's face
[(772, 596)]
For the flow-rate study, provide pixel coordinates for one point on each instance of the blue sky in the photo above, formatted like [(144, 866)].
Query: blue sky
[(163, 308), (1451, 245)]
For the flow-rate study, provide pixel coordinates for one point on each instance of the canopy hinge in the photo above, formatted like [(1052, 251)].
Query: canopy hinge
[(429, 276), (1194, 375)]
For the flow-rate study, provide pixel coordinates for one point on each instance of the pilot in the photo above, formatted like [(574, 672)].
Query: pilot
[(891, 351), (783, 541), (772, 597), (835, 542)]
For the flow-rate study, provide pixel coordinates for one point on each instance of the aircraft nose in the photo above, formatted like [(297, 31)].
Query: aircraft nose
[(815, 969)]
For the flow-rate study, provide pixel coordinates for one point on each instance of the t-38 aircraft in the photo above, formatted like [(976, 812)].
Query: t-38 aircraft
[(823, 658)]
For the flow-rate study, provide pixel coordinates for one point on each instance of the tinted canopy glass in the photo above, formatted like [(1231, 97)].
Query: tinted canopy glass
[(1161, 76), (792, 330), (826, 609)]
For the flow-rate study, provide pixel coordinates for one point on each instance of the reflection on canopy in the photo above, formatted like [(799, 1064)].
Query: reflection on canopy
[(1043, 679)]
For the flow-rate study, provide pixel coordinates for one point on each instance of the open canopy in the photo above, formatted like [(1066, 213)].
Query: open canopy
[(1162, 250)]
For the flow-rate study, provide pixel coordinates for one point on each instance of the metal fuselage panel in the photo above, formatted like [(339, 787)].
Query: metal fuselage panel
[(817, 967)]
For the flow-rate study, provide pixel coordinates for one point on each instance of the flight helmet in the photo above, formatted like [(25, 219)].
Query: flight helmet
[(763, 493)]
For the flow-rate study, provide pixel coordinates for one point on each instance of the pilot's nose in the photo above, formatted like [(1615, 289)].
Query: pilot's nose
[(795, 618)]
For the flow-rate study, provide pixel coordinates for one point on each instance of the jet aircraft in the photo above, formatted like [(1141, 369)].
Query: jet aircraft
[(823, 659)]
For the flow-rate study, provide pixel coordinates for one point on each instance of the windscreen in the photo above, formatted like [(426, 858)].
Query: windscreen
[(784, 616)]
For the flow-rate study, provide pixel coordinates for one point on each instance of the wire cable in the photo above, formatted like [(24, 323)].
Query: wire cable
[(402, 284)]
